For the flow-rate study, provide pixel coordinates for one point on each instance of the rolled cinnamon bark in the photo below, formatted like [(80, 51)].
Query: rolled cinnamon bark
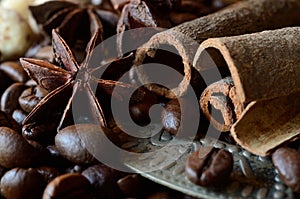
[(220, 105), (265, 69), (240, 18)]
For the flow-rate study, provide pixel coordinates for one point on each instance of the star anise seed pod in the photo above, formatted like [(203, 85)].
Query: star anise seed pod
[(71, 85), (74, 22)]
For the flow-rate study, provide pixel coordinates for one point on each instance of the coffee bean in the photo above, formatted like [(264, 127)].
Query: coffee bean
[(9, 99), (7, 121), (69, 186), (180, 114), (171, 116), (131, 186), (30, 83), (104, 180), (163, 194), (75, 169), (70, 145), (15, 151), (55, 159), (71, 142), (21, 183), (19, 115), (287, 162), (139, 106), (48, 173), (43, 133), (14, 71), (4, 82), (45, 53), (209, 166), (31, 97)]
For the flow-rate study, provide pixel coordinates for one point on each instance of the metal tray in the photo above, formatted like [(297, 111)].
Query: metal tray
[(252, 177)]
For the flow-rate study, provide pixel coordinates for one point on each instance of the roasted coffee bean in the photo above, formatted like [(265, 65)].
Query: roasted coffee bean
[(31, 97), (48, 173), (14, 71), (4, 82), (9, 99), (19, 115), (171, 116), (164, 6), (75, 169), (7, 121), (71, 142), (287, 162), (55, 159), (15, 151), (45, 53), (178, 114), (139, 106), (21, 183), (70, 145), (43, 133), (104, 180), (68, 186), (2, 171), (30, 83), (179, 18), (131, 186), (163, 194), (209, 166)]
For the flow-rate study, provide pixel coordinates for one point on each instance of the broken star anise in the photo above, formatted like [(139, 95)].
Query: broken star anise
[(70, 85), (74, 21)]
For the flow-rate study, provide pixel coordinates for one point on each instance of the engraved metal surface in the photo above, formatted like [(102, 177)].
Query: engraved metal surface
[(253, 177)]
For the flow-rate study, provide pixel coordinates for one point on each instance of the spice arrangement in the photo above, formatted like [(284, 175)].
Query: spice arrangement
[(58, 82)]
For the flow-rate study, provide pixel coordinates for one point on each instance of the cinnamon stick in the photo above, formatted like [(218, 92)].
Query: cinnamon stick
[(265, 69), (240, 18), (267, 124), (221, 96)]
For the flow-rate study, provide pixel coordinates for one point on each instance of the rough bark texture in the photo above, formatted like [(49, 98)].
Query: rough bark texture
[(221, 96), (263, 65), (240, 18), (265, 69), (267, 124)]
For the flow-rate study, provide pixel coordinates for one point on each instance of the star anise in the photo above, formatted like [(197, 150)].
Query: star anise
[(74, 22), (138, 14), (72, 84)]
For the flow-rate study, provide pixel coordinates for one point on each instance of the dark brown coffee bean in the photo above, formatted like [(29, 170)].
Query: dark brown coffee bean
[(48, 173), (104, 180), (30, 83), (43, 133), (45, 53), (164, 6), (287, 162), (4, 82), (180, 114), (31, 97), (131, 186), (15, 151), (22, 183), (55, 159), (139, 106), (68, 186), (70, 145), (163, 194), (171, 116), (7, 121), (209, 166), (75, 169), (19, 115), (14, 71), (9, 99)]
